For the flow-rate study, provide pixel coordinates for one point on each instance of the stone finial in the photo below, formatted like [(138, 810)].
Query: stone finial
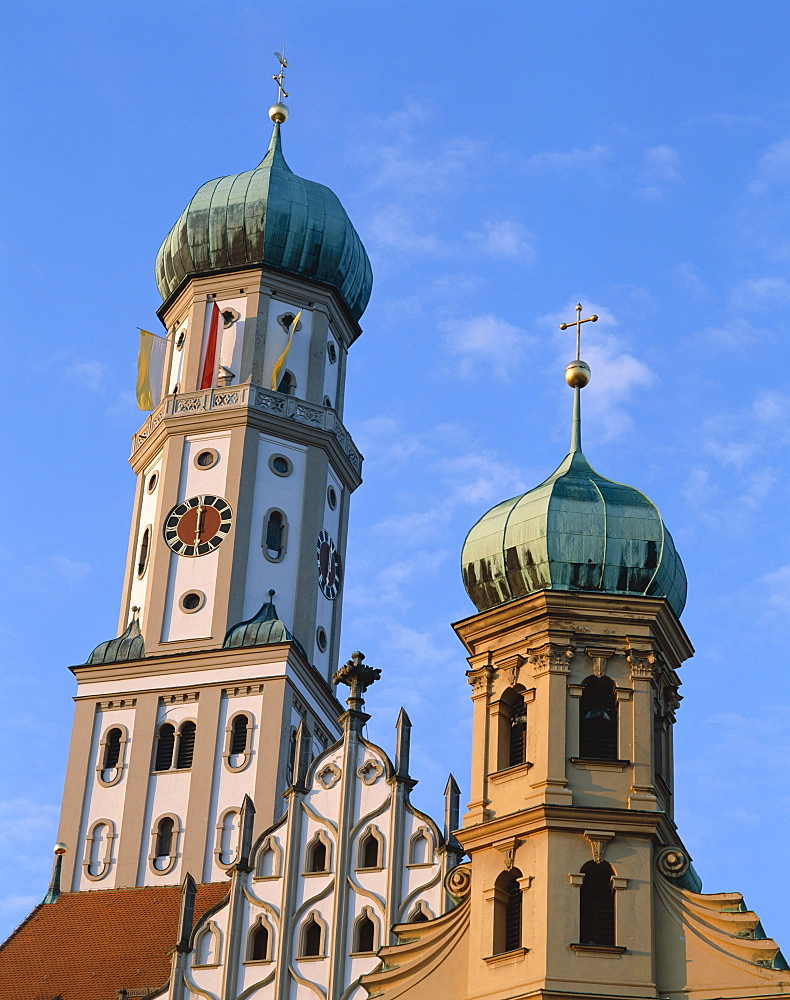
[(246, 820), (452, 798), (358, 676), (402, 744), (187, 914)]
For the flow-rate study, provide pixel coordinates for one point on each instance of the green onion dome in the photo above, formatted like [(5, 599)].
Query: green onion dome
[(267, 216), (127, 646), (576, 532), (264, 629)]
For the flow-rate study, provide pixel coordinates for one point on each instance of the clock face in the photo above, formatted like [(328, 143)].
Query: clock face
[(329, 572), (197, 526)]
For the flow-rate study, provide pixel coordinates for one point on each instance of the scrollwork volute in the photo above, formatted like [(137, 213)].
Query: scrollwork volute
[(673, 862), (458, 881)]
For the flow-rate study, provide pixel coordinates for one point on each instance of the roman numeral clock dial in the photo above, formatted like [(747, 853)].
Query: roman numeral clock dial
[(196, 526)]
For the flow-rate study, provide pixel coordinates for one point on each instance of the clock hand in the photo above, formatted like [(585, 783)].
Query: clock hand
[(199, 523)]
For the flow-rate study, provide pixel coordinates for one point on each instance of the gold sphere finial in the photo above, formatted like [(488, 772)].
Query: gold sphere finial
[(278, 113), (577, 374), (60, 848)]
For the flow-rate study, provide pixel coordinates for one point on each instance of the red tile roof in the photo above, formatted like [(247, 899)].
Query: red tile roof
[(88, 945)]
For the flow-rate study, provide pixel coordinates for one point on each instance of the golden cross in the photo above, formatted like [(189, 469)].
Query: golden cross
[(578, 324), (278, 79)]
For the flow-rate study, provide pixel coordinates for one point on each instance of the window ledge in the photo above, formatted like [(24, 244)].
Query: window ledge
[(606, 950), (311, 958), (209, 965), (257, 961), (375, 868), (312, 874), (362, 954), (421, 864), (600, 764), (507, 957), (510, 772)]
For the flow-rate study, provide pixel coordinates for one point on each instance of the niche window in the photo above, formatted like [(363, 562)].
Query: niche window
[(111, 754), (237, 752), (364, 934), (207, 947), (420, 914), (596, 905), (598, 719), (164, 844), (312, 938), (287, 384), (507, 912), (318, 855), (98, 850), (145, 551), (268, 862), (421, 848), (275, 535), (371, 849), (258, 943), (225, 850)]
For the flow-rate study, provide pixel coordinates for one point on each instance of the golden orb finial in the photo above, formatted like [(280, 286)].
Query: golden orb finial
[(278, 113), (60, 848)]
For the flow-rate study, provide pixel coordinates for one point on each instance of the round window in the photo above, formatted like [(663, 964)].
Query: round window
[(192, 601), (153, 479), (206, 459), (331, 497), (281, 465), (321, 639)]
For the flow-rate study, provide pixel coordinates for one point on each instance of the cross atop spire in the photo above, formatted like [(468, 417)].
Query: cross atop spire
[(279, 112), (577, 375), (578, 324)]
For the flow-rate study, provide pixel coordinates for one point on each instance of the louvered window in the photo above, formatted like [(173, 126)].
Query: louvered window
[(238, 738), (186, 744), (598, 719), (164, 747), (112, 748)]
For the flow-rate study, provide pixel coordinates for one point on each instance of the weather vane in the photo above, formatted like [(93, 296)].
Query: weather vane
[(577, 374)]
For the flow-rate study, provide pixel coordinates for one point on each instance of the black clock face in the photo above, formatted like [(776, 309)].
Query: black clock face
[(329, 572), (197, 526)]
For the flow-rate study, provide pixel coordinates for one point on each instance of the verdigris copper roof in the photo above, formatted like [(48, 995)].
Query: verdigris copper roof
[(576, 531), (267, 216), (263, 630), (127, 646)]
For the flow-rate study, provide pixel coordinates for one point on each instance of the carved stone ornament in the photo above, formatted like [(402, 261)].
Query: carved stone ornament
[(370, 771), (598, 839), (479, 679), (329, 775), (599, 658), (642, 662), (458, 881), (672, 862), (552, 659)]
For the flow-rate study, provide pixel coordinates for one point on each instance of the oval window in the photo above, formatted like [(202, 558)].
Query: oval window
[(280, 465)]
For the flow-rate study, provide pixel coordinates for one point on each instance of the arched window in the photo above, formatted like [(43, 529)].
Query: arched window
[(421, 848), (598, 719), (507, 912), (227, 832), (512, 730), (370, 849), (145, 546), (112, 747), (98, 849), (419, 914), (317, 859), (596, 905), (258, 943), (238, 734), (267, 864), (287, 383), (364, 936), (207, 947), (165, 745), (186, 744), (275, 535), (164, 839), (312, 938)]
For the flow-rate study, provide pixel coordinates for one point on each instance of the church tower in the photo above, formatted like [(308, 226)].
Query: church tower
[(577, 883), (231, 604)]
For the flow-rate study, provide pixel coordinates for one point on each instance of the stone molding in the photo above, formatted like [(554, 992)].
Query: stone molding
[(600, 658), (598, 841)]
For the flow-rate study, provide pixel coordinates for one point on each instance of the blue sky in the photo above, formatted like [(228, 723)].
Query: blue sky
[(501, 162)]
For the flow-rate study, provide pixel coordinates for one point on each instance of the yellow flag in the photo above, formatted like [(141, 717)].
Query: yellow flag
[(150, 370), (281, 360)]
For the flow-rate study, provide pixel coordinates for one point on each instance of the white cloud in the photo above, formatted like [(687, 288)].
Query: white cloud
[(759, 292), (689, 279), (773, 167), (505, 239), (735, 333), (88, 374), (395, 227), (70, 569), (660, 167), (485, 345)]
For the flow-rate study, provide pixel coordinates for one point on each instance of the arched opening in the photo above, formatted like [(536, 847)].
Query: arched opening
[(598, 719), (364, 934), (258, 950), (287, 383), (207, 947), (238, 734), (226, 848), (163, 847), (317, 855), (419, 914), (186, 744), (512, 729), (112, 748), (312, 938), (507, 912), (275, 535), (98, 847), (145, 547), (165, 745), (268, 863), (596, 905), (370, 850), (420, 849)]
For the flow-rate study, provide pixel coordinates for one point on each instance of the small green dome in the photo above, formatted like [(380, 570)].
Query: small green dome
[(127, 646), (265, 629), (267, 216), (578, 532)]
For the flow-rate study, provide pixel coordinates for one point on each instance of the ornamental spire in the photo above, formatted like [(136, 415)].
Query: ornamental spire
[(577, 375), (279, 112)]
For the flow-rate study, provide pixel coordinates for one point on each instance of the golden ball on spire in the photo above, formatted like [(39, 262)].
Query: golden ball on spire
[(577, 374), (60, 848), (278, 113)]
